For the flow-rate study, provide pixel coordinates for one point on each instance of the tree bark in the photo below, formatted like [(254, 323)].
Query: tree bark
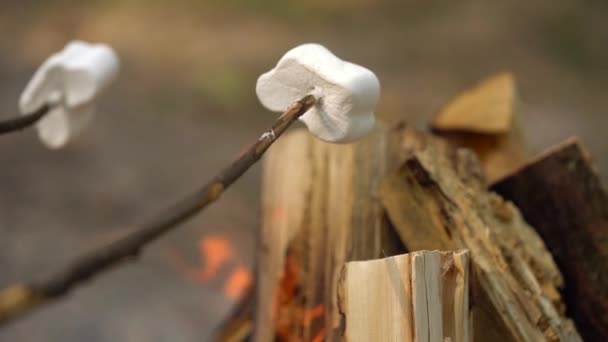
[(437, 199), (561, 195)]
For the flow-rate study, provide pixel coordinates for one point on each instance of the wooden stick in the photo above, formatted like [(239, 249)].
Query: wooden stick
[(561, 195), (22, 298), (420, 296), (20, 122)]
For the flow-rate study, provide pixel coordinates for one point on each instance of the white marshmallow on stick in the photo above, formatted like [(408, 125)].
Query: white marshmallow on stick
[(69, 81), (341, 96), (346, 93)]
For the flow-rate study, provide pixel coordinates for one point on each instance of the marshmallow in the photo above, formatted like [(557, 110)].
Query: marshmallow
[(346, 93), (69, 81)]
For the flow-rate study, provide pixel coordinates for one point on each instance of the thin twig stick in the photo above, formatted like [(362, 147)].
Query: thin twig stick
[(23, 298), (24, 121)]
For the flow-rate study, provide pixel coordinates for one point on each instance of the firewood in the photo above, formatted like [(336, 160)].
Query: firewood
[(421, 296), (561, 195), (486, 108), (320, 210), (437, 199), (486, 119)]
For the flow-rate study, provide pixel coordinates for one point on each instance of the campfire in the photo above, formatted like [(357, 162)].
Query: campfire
[(370, 232), (349, 231), (216, 254)]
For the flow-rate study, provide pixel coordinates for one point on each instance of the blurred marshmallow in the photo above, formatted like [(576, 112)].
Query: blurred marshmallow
[(346, 93), (69, 81)]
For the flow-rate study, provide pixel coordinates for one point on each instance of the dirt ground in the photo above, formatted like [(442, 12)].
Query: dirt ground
[(185, 105)]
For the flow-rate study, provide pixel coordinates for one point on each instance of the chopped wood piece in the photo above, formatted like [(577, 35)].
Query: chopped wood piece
[(421, 296), (499, 154), (561, 195), (486, 108), (437, 199), (485, 119), (320, 210), (456, 304)]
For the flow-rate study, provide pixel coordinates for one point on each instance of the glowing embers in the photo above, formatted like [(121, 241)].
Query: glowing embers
[(295, 319)]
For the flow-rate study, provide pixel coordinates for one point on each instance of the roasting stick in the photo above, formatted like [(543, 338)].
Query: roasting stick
[(334, 98), (21, 122), (23, 298)]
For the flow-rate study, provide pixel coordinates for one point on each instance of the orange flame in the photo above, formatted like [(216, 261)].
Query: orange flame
[(290, 317), (320, 336), (288, 287), (311, 314), (238, 283), (287, 326), (215, 252)]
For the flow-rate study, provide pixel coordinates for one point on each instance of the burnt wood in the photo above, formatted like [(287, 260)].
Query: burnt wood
[(560, 194)]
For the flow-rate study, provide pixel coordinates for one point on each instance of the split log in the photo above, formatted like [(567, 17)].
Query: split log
[(561, 195), (485, 108), (485, 119), (437, 199), (320, 210), (421, 296)]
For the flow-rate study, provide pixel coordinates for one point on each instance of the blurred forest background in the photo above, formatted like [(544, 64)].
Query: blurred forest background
[(185, 105)]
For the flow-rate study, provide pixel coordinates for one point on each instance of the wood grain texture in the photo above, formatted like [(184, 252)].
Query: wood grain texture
[(321, 209), (420, 296), (561, 195), (485, 119), (437, 199), (485, 108)]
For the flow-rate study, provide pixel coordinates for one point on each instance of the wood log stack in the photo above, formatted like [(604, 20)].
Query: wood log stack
[(400, 237)]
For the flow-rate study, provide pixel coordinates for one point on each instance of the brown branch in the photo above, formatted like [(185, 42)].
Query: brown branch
[(24, 121), (23, 298)]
